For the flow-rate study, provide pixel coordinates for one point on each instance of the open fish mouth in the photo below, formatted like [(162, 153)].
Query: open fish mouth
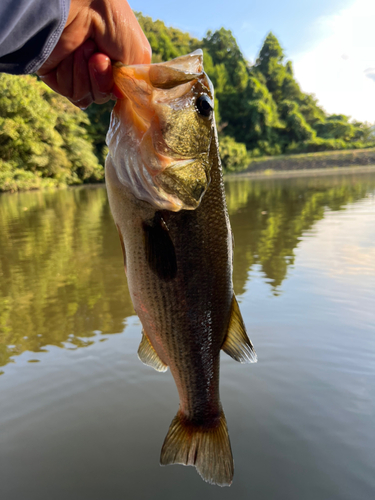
[(159, 139)]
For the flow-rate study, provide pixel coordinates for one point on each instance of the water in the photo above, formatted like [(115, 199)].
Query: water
[(81, 417)]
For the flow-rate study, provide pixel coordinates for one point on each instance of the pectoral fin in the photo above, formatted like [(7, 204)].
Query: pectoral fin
[(122, 244), (148, 356), (159, 248), (237, 344)]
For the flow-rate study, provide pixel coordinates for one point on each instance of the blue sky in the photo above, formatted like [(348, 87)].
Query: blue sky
[(331, 42)]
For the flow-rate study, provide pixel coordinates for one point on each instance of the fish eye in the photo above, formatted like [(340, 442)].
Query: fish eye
[(204, 105)]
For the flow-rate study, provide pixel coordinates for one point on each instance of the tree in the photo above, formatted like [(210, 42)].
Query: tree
[(297, 129), (42, 137), (261, 106), (234, 156), (166, 43), (223, 49), (336, 127), (270, 64), (44, 140)]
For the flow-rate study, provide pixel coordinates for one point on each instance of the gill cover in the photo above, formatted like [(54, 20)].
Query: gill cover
[(161, 131)]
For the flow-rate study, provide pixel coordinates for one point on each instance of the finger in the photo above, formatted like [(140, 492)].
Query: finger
[(76, 30), (61, 79), (120, 36), (51, 80), (101, 78), (64, 76), (139, 51), (82, 95)]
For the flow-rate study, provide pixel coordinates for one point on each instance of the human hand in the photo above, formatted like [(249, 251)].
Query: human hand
[(96, 32)]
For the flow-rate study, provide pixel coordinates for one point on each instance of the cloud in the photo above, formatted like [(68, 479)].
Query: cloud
[(370, 73), (340, 68)]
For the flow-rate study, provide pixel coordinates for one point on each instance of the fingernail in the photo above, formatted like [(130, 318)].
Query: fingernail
[(101, 66)]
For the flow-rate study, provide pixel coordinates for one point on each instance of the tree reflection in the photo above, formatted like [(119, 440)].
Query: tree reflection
[(61, 269), (270, 216)]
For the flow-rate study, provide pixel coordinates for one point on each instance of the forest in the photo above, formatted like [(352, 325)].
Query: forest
[(260, 111)]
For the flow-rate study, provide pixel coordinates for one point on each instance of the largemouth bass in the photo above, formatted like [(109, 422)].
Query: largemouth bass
[(165, 187)]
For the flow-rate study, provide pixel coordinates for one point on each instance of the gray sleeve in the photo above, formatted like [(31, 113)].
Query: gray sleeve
[(29, 31)]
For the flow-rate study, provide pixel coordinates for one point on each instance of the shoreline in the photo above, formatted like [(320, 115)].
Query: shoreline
[(265, 173), (303, 172)]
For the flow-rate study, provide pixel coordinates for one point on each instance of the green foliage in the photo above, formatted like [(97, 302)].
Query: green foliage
[(270, 64), (97, 127), (261, 107), (42, 137), (46, 141), (14, 179), (262, 134), (223, 48), (296, 127), (308, 107), (234, 156), (166, 43), (317, 144), (59, 266), (336, 127)]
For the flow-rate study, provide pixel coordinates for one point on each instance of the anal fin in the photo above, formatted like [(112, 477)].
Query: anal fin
[(237, 344), (148, 355)]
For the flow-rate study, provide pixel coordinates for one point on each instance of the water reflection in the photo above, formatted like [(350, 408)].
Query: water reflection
[(269, 217), (61, 277), (61, 270)]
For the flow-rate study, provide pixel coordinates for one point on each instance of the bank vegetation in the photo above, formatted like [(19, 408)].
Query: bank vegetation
[(260, 111)]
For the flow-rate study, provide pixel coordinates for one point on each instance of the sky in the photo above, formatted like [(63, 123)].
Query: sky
[(330, 42)]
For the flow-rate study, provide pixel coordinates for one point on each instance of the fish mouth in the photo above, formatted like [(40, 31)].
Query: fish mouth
[(136, 107), (137, 83), (167, 75), (150, 166), (187, 181)]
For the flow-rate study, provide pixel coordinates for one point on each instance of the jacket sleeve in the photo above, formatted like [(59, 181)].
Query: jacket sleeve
[(29, 31)]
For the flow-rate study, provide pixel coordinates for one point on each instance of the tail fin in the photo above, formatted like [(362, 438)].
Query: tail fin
[(207, 448)]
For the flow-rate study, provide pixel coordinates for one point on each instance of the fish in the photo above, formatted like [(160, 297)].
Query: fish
[(166, 193)]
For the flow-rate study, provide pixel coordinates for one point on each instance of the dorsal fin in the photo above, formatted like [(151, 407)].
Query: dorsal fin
[(237, 344), (148, 355)]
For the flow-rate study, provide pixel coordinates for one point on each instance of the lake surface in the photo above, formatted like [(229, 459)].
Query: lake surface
[(82, 418)]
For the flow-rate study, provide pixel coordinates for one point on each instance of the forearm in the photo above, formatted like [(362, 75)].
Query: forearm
[(29, 31)]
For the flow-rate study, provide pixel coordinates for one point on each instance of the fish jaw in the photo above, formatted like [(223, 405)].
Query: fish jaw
[(168, 185)]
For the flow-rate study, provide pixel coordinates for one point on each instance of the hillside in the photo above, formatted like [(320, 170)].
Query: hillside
[(260, 111)]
